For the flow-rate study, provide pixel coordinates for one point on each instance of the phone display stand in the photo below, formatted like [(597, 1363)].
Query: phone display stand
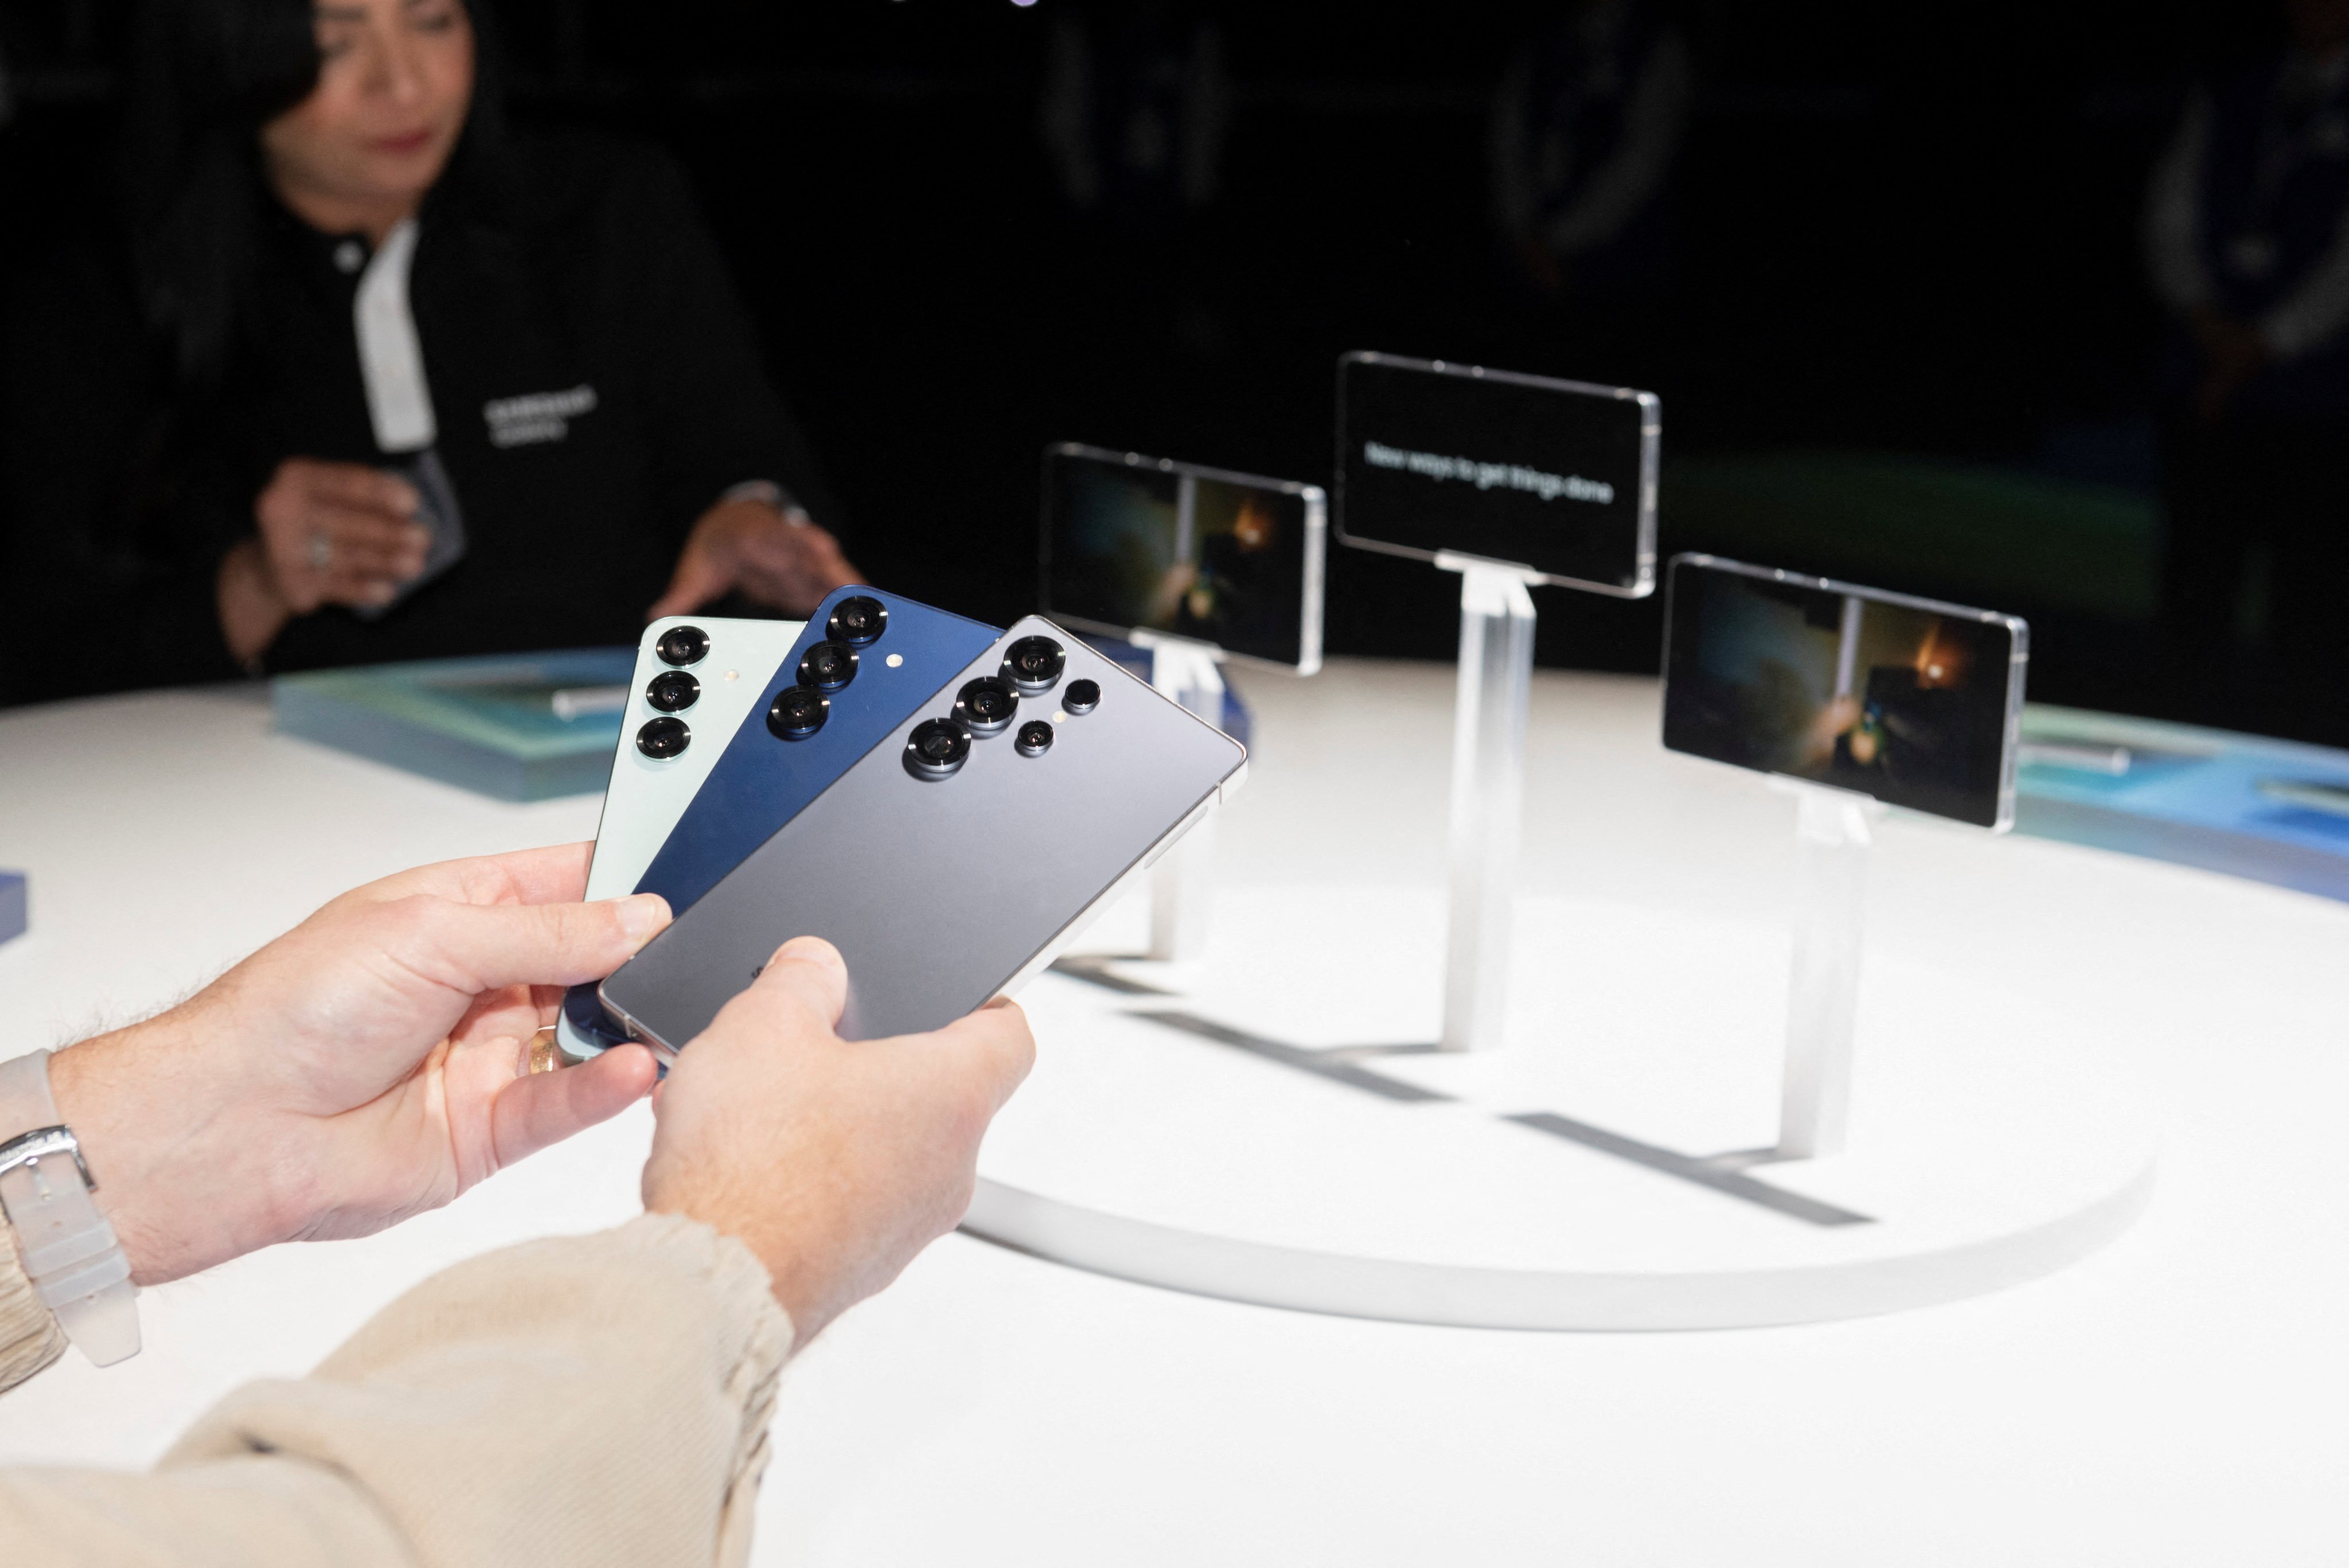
[(1832, 839), (1182, 885), (1488, 793)]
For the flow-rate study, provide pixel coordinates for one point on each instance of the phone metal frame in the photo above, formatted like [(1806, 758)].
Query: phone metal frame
[(2018, 663), (1651, 434), (1317, 527)]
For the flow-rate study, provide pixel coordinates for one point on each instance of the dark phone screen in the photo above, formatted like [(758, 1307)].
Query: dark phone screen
[(1134, 544), (1903, 702), (1547, 475)]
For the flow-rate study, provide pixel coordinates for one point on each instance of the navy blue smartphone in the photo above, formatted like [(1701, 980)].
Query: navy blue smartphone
[(866, 660)]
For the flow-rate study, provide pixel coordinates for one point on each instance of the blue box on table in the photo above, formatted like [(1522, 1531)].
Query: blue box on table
[(515, 727)]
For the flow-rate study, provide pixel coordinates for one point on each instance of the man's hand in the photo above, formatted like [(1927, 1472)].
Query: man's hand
[(834, 1161), (748, 545), (363, 1067)]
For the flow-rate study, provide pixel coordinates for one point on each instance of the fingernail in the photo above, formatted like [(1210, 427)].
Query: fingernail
[(642, 914)]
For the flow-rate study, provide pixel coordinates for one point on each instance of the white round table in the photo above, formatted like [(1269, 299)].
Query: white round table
[(2178, 1398)]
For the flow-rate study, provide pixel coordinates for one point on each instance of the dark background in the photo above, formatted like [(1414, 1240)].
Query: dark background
[(1906, 338)]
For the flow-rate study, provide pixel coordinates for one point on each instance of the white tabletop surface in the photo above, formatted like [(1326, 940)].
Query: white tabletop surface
[(2181, 1397)]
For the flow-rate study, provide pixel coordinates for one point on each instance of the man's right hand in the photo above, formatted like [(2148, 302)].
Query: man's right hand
[(834, 1161)]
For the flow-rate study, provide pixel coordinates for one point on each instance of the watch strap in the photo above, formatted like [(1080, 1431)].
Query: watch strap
[(68, 1251), (24, 1099)]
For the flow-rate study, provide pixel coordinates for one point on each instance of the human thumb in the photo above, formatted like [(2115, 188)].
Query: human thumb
[(479, 946), (809, 972)]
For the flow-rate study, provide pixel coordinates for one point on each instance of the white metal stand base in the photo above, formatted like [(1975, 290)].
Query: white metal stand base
[(1284, 1131), (1488, 794), (1182, 885)]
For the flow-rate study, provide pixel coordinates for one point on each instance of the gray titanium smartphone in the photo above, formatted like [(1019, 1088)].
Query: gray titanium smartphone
[(1917, 703), (958, 857), (1234, 560)]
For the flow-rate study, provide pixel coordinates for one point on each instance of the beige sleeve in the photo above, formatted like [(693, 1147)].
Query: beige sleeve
[(29, 1335), (597, 1399)]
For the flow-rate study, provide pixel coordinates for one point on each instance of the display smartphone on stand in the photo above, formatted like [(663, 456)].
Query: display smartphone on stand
[(1916, 703), (958, 856), (1448, 463), (1146, 545), (696, 679)]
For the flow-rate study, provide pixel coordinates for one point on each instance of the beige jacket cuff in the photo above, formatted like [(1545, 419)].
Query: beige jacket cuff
[(29, 1336), (592, 1400)]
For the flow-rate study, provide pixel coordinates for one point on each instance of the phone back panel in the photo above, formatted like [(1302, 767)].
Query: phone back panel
[(761, 780), (942, 893), (649, 794)]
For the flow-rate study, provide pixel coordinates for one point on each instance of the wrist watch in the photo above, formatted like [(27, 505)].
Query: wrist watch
[(69, 1252)]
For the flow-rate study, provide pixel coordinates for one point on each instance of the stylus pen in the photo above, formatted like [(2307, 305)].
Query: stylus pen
[(2078, 756), (574, 702)]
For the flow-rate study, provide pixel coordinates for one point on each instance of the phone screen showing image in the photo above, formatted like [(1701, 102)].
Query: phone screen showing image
[(1134, 543), (1909, 701)]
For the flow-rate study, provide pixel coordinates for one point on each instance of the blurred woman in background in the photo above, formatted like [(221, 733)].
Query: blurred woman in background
[(381, 379)]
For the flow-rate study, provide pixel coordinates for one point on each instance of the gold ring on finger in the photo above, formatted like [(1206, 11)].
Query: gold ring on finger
[(546, 1056)]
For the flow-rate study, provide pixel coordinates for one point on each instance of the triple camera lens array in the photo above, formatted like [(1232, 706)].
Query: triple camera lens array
[(938, 747), (673, 690), (986, 706), (799, 710)]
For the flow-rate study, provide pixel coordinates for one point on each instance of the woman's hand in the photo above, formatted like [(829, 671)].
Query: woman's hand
[(834, 1161), (748, 546), (364, 1066), (328, 532), (338, 534)]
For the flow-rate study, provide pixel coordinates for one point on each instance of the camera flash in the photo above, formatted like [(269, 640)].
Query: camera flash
[(732, 674), (893, 660)]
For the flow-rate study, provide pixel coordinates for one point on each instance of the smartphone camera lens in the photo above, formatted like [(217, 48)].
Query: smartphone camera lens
[(662, 739), (673, 691), (987, 704), (936, 748), (857, 621), (1082, 697), (1032, 664), (797, 713), (1034, 739), (682, 645), (828, 666)]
